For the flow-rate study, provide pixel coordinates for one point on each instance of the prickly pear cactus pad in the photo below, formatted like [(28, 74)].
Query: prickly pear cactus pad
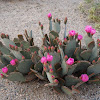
[(64, 64)]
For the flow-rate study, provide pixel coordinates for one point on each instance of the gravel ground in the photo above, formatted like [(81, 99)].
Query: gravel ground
[(15, 17)]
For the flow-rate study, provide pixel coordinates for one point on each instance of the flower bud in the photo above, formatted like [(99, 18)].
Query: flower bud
[(12, 47), (53, 76), (49, 48), (52, 48), (44, 68), (60, 44), (65, 21), (28, 50), (58, 51), (65, 40), (93, 62), (53, 20), (41, 27), (23, 57), (59, 21), (7, 36), (45, 48), (50, 66), (56, 81), (66, 57), (16, 48), (51, 71), (39, 23), (1, 75)]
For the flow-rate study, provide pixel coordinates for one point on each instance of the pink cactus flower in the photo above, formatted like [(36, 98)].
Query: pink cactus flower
[(13, 62), (84, 77), (49, 15), (80, 37), (43, 60), (49, 57), (5, 70), (1, 75), (72, 32), (88, 29), (70, 61), (93, 31)]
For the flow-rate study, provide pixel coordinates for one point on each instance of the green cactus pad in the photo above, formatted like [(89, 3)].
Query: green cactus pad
[(24, 66), (39, 75), (4, 50), (82, 65), (55, 34), (34, 48), (56, 27), (71, 69), (38, 67), (1, 65), (66, 90), (7, 42), (26, 54), (86, 54), (71, 80), (61, 53), (16, 40), (5, 59), (94, 54), (52, 36), (57, 89), (11, 68), (93, 69), (30, 77), (64, 67), (50, 25), (56, 58), (16, 76), (89, 42), (70, 48), (77, 53), (49, 76), (17, 44), (17, 54), (25, 44)]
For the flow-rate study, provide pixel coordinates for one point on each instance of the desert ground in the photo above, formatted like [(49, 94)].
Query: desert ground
[(18, 15)]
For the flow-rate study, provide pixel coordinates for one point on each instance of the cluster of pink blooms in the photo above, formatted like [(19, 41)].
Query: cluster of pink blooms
[(90, 30), (48, 58), (5, 69), (70, 61), (73, 33), (84, 77)]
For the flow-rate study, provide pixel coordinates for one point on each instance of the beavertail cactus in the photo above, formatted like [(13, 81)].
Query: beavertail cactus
[(64, 63)]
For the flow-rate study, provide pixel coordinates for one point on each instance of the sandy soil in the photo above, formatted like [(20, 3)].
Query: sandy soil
[(15, 17)]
